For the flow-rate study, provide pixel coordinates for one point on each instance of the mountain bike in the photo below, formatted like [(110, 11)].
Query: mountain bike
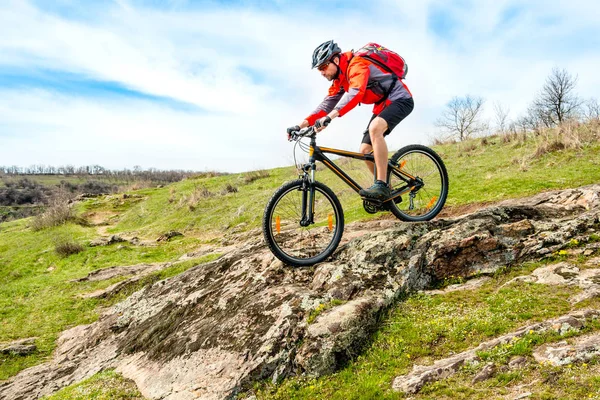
[(304, 221)]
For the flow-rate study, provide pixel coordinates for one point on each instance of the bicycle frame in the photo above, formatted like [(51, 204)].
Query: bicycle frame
[(317, 153)]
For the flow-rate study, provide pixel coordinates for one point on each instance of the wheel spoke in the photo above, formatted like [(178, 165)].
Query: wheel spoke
[(295, 244), (422, 163)]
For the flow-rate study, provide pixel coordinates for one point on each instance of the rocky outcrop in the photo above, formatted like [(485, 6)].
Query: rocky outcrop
[(583, 349), (139, 272), (112, 239), (217, 328), (113, 272), (106, 241), (423, 374)]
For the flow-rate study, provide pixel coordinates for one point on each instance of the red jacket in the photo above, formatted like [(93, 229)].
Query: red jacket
[(359, 81)]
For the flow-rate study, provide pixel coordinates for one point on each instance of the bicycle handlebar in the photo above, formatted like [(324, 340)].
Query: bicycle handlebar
[(309, 131)]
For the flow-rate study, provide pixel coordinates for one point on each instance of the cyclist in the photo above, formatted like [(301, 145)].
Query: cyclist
[(358, 80)]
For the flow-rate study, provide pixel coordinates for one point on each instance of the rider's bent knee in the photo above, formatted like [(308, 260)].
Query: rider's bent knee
[(375, 134), (365, 148), (377, 127)]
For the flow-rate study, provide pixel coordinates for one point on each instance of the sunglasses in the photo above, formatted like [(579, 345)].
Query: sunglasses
[(323, 67)]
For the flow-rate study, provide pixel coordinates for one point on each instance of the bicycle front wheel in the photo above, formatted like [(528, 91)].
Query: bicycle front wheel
[(293, 243), (421, 170)]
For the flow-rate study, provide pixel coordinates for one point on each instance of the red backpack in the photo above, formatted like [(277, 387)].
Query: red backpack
[(385, 58)]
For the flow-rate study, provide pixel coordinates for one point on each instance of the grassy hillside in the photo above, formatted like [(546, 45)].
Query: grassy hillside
[(39, 298), (480, 170)]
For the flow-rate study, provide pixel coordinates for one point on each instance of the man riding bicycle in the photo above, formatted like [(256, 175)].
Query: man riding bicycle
[(359, 80)]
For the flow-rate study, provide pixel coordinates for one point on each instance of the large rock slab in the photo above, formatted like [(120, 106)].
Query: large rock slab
[(219, 327)]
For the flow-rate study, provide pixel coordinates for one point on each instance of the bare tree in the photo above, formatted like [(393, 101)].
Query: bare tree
[(592, 111), (462, 118), (557, 100), (501, 114)]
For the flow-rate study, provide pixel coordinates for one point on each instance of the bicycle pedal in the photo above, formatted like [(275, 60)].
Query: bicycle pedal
[(375, 202), (372, 208)]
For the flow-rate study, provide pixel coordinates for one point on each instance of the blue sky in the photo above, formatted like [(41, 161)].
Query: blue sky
[(209, 85)]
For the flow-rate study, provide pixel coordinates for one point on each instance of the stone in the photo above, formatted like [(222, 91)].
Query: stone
[(517, 362), (421, 375), (105, 241), (470, 284), (21, 347), (523, 396), (168, 235), (595, 262), (582, 349), (518, 229), (486, 373)]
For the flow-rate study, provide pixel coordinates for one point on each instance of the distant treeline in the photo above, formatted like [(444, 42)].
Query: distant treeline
[(99, 172), (27, 191)]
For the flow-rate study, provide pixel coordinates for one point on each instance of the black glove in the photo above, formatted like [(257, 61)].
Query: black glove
[(291, 130), (322, 123)]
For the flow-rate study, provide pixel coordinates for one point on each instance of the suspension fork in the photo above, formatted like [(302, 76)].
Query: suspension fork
[(308, 193)]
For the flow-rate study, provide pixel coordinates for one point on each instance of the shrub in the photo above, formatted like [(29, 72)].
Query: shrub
[(568, 135), (59, 211), (199, 193), (229, 188), (255, 175), (438, 141), (544, 148), (97, 187), (467, 147), (22, 191), (66, 247), (509, 137), (139, 185)]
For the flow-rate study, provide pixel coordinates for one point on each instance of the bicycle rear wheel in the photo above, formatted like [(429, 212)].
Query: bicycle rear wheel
[(293, 243), (429, 185)]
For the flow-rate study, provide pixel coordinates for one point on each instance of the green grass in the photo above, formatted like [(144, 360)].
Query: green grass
[(107, 385), (489, 173), (38, 299)]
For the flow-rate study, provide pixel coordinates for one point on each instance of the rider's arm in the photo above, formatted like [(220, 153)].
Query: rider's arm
[(358, 77), (333, 97)]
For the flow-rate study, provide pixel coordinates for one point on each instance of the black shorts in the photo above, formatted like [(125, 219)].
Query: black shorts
[(392, 114)]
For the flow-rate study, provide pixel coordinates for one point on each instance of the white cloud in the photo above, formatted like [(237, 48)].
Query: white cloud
[(248, 70)]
